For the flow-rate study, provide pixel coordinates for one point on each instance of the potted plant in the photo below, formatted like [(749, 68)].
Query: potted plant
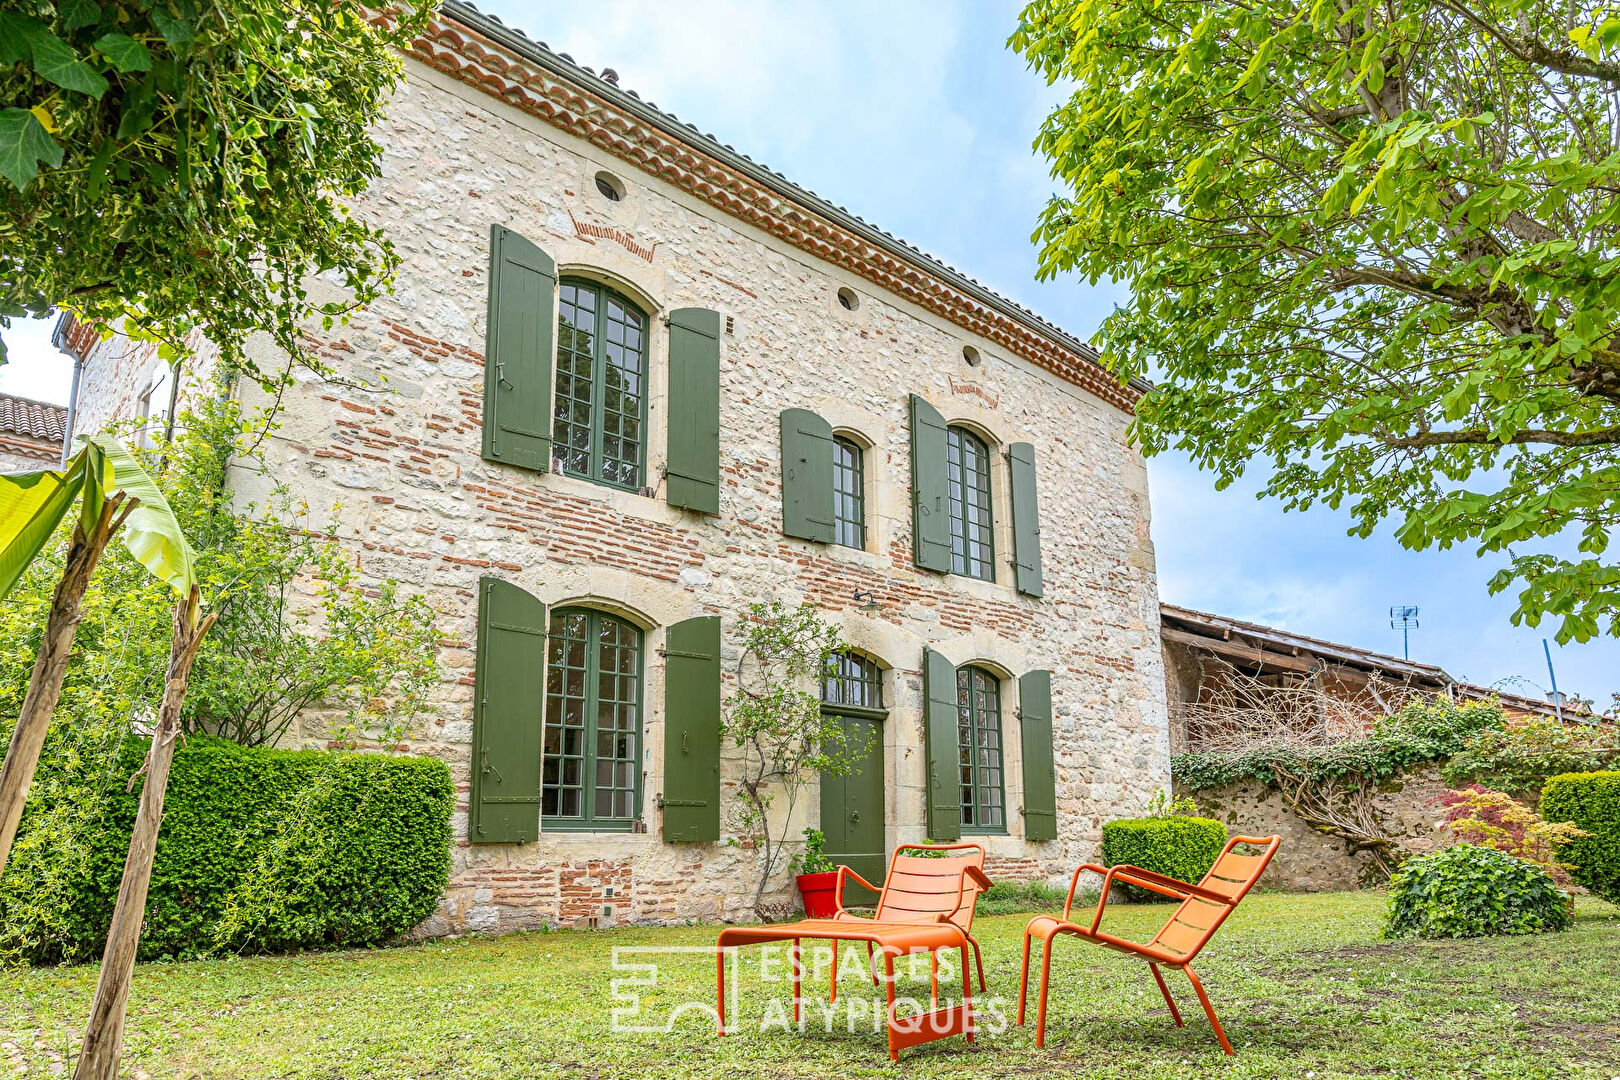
[(817, 877)]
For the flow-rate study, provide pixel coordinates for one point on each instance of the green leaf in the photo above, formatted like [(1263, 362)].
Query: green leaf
[(55, 61), (125, 52), (176, 31), (78, 13), (24, 143), (152, 533), (32, 505)]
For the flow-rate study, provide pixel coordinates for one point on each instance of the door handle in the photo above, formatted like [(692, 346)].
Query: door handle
[(855, 817)]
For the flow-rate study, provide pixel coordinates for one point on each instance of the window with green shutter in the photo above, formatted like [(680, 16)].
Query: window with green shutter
[(592, 772), (1026, 518), (972, 525), (807, 476), (849, 493), (930, 488), (1038, 752), (691, 790), (504, 803), (944, 805), (978, 740), (693, 468), (599, 415), (517, 351)]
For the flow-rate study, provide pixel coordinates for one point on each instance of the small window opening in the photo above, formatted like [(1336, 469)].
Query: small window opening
[(610, 186), (971, 355), (848, 300)]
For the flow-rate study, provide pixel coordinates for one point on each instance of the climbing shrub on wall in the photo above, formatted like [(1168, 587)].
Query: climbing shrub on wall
[(261, 850), (1331, 786), (1521, 756)]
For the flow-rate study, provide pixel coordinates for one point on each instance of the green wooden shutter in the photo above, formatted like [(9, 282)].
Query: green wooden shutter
[(517, 351), (691, 799), (939, 734), (509, 717), (694, 410), (930, 489), (1026, 518), (1040, 769), (807, 475)]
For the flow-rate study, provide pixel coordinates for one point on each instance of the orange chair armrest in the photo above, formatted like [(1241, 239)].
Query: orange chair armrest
[(1163, 884), (979, 879), (1074, 883), (838, 887)]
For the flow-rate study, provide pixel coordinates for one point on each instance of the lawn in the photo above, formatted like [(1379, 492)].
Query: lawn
[(1302, 983)]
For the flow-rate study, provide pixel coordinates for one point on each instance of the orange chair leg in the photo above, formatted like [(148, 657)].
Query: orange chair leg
[(1175, 1013), (1046, 980), (1209, 1010), (933, 978), (798, 995), (1023, 983), (871, 963), (888, 978), (832, 989), (720, 987), (967, 993), (979, 961)]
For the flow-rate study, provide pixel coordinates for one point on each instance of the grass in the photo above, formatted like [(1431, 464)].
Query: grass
[(1303, 985)]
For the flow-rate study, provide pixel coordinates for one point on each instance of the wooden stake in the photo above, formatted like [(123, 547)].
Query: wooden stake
[(104, 1031), (50, 667)]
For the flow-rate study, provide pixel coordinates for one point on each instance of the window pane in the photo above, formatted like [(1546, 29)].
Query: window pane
[(593, 722), (978, 697), (849, 495), (967, 469), (852, 679), (600, 406)]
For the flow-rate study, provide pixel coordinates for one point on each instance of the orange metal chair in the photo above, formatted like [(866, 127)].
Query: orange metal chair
[(926, 904), (1204, 907)]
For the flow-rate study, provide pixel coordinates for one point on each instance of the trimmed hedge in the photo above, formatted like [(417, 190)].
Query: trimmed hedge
[(1591, 801), (1180, 847), (1467, 891), (261, 850)]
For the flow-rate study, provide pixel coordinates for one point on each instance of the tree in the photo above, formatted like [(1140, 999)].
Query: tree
[(774, 718), (180, 165), (1374, 245), (112, 493)]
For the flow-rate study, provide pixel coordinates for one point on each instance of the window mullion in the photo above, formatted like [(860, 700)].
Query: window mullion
[(593, 669), (598, 385)]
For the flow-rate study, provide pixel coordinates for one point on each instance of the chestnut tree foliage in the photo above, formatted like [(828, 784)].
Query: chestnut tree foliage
[(184, 164), (1371, 244)]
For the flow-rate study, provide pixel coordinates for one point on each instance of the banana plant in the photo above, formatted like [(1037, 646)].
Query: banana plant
[(113, 495)]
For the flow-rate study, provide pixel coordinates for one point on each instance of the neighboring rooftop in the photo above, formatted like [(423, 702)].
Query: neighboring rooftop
[(33, 428), (1270, 649), (621, 123)]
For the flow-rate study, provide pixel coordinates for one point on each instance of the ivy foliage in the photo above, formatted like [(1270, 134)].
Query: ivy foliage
[(1424, 730), (261, 850), (1520, 757), (1466, 891), (296, 628), (1373, 246), (171, 165)]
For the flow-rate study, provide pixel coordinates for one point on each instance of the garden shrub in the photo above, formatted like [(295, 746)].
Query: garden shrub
[(1522, 756), (1014, 897), (1494, 819), (260, 850), (1590, 801), (1180, 847), (1468, 891)]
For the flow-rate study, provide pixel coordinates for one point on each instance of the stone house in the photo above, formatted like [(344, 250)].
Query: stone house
[(630, 382)]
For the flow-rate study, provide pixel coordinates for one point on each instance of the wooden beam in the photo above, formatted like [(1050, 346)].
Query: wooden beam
[(1239, 650)]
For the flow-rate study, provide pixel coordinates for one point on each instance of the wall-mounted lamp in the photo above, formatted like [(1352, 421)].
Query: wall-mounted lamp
[(867, 600)]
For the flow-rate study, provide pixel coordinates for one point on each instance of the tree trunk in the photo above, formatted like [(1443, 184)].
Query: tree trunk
[(50, 666), (104, 1031)]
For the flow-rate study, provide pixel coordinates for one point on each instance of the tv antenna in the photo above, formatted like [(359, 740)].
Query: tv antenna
[(1404, 618)]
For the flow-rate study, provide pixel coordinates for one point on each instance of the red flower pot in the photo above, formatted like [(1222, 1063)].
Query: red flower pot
[(820, 894)]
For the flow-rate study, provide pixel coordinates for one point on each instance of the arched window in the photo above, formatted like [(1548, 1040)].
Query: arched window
[(599, 419), (978, 739), (852, 681), (849, 493), (591, 776), (967, 468)]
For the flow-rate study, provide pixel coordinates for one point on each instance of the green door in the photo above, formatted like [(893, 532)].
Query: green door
[(852, 810)]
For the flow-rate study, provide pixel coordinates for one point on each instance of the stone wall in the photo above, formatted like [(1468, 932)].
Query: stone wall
[(1311, 861), (396, 448)]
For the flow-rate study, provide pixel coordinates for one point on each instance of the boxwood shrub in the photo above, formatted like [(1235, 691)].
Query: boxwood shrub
[(1467, 891), (1180, 847), (261, 850), (1591, 801)]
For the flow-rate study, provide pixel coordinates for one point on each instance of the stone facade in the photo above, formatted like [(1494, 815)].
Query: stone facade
[(396, 447)]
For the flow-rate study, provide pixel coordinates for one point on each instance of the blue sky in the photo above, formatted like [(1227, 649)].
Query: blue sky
[(912, 114)]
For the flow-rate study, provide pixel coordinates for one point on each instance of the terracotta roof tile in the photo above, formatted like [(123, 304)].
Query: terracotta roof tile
[(32, 419)]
